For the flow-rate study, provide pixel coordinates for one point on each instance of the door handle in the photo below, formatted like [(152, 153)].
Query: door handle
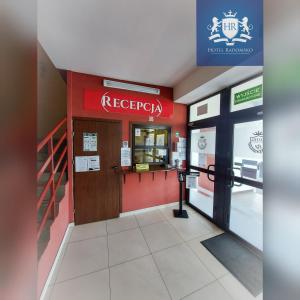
[(115, 167), (208, 169), (236, 184), (231, 180), (231, 174)]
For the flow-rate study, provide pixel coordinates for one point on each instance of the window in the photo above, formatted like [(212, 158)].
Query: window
[(151, 144), (205, 109)]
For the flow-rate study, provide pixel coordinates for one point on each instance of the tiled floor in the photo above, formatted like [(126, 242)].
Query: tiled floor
[(143, 256)]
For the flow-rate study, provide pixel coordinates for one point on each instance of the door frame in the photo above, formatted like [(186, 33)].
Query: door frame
[(73, 165), (224, 124)]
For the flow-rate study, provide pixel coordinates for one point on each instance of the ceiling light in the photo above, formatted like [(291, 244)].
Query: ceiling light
[(130, 87)]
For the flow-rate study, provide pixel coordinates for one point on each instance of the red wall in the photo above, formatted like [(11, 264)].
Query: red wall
[(57, 232), (136, 194)]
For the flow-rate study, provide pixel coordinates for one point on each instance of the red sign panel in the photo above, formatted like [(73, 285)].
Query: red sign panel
[(111, 101)]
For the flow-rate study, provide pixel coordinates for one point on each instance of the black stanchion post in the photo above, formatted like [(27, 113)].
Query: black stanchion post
[(180, 213)]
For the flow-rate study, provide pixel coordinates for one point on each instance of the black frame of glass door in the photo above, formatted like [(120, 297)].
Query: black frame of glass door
[(224, 124)]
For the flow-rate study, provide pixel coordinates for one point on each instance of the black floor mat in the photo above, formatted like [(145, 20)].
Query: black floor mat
[(242, 262)]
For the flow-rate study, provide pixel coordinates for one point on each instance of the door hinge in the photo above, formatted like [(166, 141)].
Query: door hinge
[(73, 162), (73, 133)]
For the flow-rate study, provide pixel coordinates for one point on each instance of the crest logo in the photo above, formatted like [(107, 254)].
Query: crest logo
[(230, 29), (202, 143), (256, 142)]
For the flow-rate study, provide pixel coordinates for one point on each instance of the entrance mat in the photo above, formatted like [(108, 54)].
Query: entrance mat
[(242, 262)]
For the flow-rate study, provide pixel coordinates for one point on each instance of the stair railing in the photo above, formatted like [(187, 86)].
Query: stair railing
[(52, 167)]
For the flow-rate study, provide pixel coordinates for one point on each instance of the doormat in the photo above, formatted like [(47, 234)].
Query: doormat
[(242, 262)]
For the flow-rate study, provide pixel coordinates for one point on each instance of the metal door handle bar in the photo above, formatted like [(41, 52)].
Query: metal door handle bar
[(208, 170)]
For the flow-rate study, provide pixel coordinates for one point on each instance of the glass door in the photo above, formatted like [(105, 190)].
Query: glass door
[(246, 173), (226, 146), (202, 158)]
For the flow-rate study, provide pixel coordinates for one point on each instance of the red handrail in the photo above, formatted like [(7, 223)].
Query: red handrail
[(51, 134), (50, 164)]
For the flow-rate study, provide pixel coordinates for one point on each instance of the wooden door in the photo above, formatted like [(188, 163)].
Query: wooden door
[(97, 193)]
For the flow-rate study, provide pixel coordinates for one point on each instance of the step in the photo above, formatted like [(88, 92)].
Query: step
[(44, 238), (45, 177), (59, 196)]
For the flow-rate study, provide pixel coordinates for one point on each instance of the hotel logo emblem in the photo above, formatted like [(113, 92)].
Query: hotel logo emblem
[(230, 29), (202, 142), (256, 142)]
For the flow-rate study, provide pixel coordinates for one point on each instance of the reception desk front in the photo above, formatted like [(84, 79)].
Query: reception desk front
[(149, 188)]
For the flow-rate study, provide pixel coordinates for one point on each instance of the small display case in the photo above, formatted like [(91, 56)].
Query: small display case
[(151, 144)]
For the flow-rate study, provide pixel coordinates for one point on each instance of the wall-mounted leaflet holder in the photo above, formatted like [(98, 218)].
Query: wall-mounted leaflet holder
[(87, 163)]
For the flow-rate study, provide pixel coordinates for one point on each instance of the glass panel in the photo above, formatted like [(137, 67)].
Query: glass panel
[(248, 94), (246, 214), (203, 196), (205, 109), (248, 150), (150, 155), (151, 137), (203, 146)]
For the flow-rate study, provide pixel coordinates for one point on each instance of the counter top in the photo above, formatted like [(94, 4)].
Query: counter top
[(152, 170)]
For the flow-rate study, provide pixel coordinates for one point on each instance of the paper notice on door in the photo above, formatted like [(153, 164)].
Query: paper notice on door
[(160, 140), (161, 152), (87, 163), (125, 157), (89, 141), (94, 163), (150, 140), (137, 132), (81, 164), (191, 182), (202, 160)]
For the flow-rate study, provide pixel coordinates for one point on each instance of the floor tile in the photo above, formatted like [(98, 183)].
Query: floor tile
[(168, 211), (182, 271), (235, 289), (213, 291), (60, 258), (137, 280), (211, 263), (150, 217), (89, 287), (88, 231), (126, 245), (189, 229), (121, 224), (160, 236), (83, 257)]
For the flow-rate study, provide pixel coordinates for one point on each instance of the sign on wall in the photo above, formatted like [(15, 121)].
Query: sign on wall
[(114, 101), (230, 33), (248, 94)]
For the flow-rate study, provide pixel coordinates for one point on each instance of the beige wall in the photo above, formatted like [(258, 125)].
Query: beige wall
[(52, 95), (197, 78)]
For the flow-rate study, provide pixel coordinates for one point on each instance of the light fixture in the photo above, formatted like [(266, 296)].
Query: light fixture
[(130, 87)]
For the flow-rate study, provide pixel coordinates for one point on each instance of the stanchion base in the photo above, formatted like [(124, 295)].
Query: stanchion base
[(180, 214)]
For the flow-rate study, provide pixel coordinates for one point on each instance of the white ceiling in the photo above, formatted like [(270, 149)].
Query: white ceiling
[(150, 41)]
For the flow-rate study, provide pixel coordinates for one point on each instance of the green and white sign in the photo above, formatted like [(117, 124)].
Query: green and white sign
[(248, 94)]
